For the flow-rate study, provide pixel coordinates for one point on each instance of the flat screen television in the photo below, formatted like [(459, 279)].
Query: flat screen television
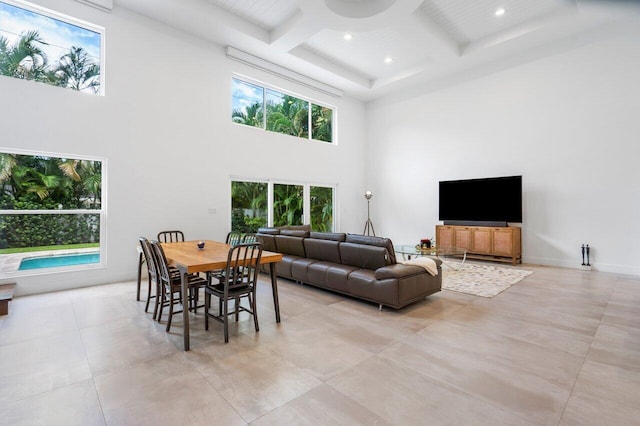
[(495, 200)]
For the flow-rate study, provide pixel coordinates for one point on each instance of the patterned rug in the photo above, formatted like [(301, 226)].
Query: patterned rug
[(480, 279)]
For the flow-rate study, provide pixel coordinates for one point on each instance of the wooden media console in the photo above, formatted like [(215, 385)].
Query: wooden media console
[(500, 243)]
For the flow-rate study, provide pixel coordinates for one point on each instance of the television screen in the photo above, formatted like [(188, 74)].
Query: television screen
[(496, 199)]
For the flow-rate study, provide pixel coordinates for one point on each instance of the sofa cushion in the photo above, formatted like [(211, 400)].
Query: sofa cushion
[(337, 276), (271, 231), (375, 241), (333, 236), (363, 256), (325, 250), (294, 232), (268, 241), (290, 245), (299, 269), (363, 283)]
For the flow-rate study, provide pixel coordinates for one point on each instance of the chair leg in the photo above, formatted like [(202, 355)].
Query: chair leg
[(171, 303), (163, 298), (252, 300), (207, 301), (226, 320), (237, 308), (146, 306)]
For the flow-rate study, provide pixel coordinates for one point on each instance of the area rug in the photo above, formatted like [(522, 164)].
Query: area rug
[(480, 279)]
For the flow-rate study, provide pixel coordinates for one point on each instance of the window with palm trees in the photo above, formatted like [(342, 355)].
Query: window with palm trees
[(37, 44), (275, 111), (289, 204), (50, 208)]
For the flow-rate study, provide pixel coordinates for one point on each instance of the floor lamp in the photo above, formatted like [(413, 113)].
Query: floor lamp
[(368, 225)]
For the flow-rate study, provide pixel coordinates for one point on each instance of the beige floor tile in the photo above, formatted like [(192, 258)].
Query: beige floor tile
[(256, 381), (322, 405), (38, 365), (484, 317), (491, 377), (121, 343), (75, 404), (31, 318), (404, 397), (162, 392), (602, 395), (616, 345)]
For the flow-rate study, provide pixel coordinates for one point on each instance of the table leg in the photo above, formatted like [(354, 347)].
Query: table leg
[(274, 288), (184, 287), (139, 276)]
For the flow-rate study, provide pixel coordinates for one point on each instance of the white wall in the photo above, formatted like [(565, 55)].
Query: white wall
[(164, 127), (569, 124)]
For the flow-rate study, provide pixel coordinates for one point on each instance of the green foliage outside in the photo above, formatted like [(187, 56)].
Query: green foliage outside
[(284, 113), (27, 60), (321, 209), (248, 206), (45, 183), (287, 204)]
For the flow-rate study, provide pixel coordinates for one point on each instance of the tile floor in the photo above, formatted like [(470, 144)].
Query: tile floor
[(562, 347)]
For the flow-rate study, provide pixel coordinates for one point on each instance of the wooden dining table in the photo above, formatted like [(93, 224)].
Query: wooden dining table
[(190, 259)]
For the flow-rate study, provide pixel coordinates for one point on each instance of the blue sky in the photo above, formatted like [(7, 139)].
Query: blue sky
[(59, 35)]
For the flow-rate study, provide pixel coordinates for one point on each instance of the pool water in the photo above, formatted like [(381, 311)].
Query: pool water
[(58, 260)]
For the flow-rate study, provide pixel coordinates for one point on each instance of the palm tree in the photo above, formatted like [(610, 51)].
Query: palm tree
[(251, 116), (88, 174), (25, 59), (77, 70)]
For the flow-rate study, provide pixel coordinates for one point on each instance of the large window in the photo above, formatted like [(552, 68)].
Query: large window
[(256, 204), (51, 212), (269, 109), (41, 45)]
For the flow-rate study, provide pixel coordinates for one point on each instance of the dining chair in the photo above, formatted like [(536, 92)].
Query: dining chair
[(239, 279), (170, 236), (233, 238), (249, 238), (147, 258), (170, 286)]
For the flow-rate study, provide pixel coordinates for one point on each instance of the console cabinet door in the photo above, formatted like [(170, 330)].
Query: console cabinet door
[(444, 236), (463, 237), (482, 240), (503, 242)]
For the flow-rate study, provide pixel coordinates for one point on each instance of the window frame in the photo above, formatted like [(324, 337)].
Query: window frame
[(311, 102), (67, 19), (102, 212)]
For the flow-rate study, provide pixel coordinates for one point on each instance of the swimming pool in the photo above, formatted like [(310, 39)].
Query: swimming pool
[(58, 260)]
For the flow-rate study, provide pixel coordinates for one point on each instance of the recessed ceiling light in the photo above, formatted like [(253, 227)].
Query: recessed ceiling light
[(348, 36), (500, 11), (388, 60)]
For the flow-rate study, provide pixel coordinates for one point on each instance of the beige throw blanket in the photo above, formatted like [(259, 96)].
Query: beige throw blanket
[(424, 262)]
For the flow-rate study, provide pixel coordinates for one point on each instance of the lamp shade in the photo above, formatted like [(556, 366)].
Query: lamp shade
[(368, 195)]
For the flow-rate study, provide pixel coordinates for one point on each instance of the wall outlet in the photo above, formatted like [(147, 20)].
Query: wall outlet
[(212, 211)]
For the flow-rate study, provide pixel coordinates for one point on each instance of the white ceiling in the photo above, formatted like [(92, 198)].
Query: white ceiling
[(429, 41)]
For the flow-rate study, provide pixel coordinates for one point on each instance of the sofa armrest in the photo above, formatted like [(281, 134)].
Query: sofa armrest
[(398, 271)]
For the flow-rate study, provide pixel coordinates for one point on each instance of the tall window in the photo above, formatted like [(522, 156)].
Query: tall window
[(41, 45), (248, 206), (51, 211), (256, 204), (275, 111)]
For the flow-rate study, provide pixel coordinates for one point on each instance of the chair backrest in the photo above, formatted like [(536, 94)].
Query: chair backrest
[(233, 238), (242, 265), (149, 258), (161, 263), (249, 238), (171, 236)]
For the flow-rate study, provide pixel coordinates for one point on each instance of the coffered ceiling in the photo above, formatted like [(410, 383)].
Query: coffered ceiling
[(371, 48)]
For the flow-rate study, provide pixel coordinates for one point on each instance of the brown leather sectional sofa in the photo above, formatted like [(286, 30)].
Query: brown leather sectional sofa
[(357, 265)]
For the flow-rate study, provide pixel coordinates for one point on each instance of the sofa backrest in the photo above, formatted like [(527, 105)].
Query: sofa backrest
[(363, 256), (321, 249), (386, 243), (288, 244)]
